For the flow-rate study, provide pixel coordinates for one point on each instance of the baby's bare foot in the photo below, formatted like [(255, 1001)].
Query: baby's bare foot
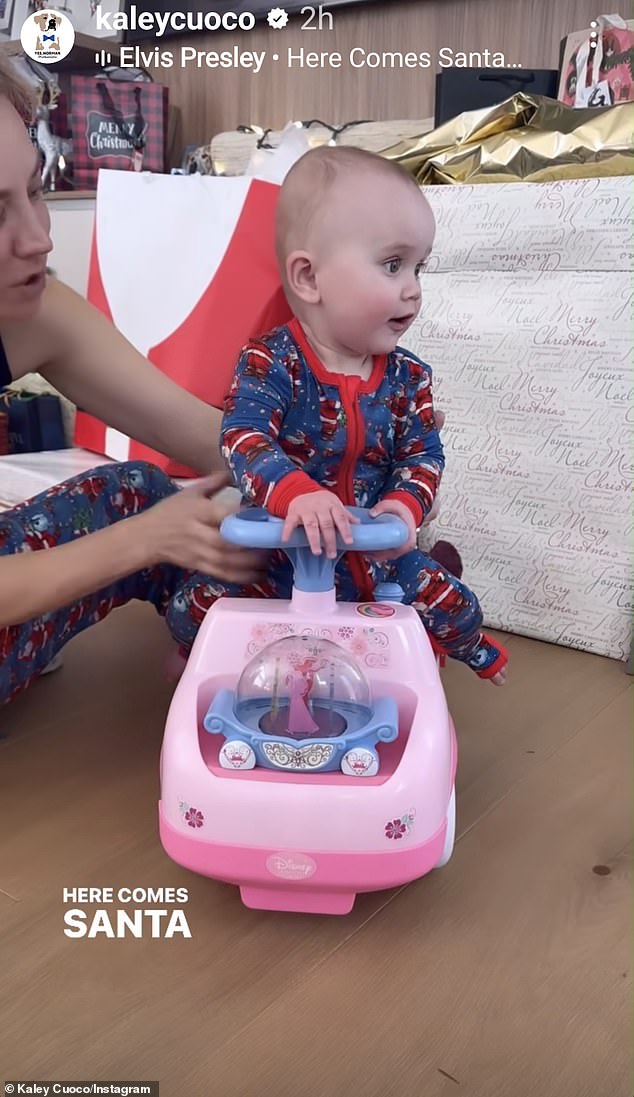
[(500, 678)]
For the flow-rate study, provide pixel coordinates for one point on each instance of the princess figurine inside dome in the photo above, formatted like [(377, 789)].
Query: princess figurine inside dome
[(300, 687), (302, 704)]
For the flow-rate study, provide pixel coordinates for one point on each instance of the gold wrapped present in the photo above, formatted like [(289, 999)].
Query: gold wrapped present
[(527, 138)]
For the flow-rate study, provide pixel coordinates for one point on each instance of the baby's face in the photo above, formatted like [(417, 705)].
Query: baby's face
[(370, 250)]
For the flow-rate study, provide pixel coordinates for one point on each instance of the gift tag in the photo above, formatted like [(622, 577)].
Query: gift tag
[(597, 95)]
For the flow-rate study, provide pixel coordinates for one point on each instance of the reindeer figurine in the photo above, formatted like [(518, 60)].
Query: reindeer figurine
[(53, 148)]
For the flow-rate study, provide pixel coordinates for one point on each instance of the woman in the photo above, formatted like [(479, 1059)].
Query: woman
[(95, 561)]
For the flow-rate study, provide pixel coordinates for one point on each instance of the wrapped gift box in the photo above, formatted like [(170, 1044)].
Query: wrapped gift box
[(527, 323)]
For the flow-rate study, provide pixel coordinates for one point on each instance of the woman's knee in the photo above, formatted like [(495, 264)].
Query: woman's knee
[(131, 487), (142, 474)]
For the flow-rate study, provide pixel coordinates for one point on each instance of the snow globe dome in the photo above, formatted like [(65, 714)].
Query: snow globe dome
[(302, 687)]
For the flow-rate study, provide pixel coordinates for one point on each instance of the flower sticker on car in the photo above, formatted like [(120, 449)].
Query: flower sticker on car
[(395, 829), (192, 816)]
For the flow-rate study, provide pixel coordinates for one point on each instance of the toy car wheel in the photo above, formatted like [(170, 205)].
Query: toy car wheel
[(361, 762), (234, 754), (450, 835)]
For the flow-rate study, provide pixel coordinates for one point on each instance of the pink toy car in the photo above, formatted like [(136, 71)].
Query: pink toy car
[(309, 754)]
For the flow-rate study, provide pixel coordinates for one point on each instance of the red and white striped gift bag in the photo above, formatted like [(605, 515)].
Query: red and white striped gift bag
[(185, 268)]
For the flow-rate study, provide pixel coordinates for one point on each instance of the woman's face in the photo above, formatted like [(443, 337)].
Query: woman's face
[(24, 221)]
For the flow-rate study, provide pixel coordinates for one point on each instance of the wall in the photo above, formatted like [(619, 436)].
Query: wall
[(210, 101), (71, 232)]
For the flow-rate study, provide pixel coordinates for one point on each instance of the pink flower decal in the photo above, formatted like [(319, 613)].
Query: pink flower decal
[(395, 829), (194, 818)]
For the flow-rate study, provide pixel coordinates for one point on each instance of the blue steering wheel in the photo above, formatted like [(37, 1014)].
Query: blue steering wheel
[(254, 527)]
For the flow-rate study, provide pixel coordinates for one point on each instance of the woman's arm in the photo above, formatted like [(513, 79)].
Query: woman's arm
[(181, 530), (80, 352), (35, 583)]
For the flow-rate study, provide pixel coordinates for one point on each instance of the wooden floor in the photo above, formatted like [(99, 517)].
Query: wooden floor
[(507, 974)]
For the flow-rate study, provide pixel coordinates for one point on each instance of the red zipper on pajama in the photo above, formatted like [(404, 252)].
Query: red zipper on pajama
[(349, 389)]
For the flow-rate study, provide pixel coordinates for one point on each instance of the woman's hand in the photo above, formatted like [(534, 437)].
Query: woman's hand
[(184, 530)]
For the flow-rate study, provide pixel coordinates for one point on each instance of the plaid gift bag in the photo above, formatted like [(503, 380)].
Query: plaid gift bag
[(117, 124)]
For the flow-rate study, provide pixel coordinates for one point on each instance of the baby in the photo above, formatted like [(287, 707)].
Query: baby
[(329, 411)]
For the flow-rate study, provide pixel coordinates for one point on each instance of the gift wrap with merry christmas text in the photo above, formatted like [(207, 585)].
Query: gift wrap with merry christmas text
[(527, 324)]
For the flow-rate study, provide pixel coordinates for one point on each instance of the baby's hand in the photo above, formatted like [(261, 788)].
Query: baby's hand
[(400, 510), (322, 515)]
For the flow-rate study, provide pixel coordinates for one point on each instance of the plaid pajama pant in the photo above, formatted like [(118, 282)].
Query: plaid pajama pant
[(82, 505)]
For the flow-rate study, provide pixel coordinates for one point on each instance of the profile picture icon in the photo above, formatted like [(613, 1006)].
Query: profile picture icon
[(47, 36)]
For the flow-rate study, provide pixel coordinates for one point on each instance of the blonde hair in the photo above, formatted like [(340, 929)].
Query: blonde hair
[(13, 88), (306, 187)]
